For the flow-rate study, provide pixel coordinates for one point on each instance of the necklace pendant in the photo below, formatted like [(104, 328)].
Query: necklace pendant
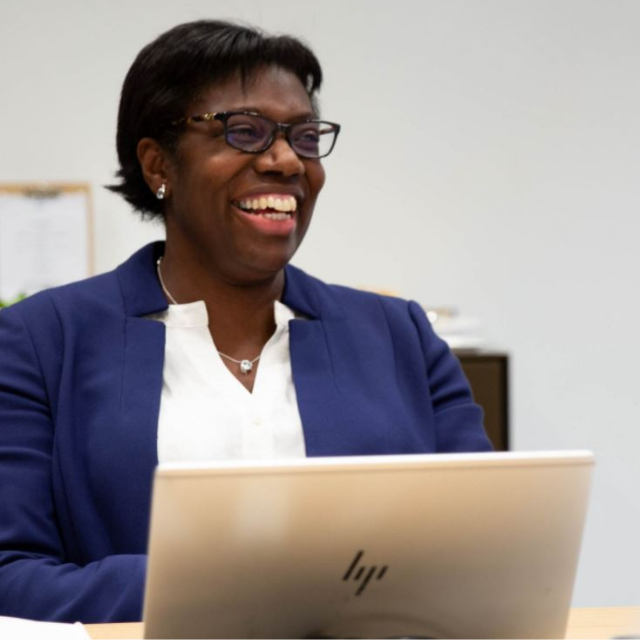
[(245, 367)]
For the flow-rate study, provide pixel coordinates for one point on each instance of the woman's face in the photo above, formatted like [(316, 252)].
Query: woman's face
[(211, 184)]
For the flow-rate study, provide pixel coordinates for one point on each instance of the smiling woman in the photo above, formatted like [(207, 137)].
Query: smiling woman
[(209, 346), (213, 240)]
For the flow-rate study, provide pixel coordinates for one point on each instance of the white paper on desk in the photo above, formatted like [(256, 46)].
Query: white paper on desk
[(19, 629), (43, 241)]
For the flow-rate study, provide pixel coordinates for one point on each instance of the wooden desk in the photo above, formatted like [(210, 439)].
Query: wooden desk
[(596, 623), (604, 622)]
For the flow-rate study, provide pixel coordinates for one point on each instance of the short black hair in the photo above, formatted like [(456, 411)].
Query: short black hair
[(171, 72)]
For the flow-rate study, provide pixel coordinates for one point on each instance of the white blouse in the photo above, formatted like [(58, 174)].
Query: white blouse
[(206, 413)]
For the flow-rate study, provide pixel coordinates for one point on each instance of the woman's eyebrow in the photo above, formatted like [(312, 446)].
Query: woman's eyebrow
[(303, 115)]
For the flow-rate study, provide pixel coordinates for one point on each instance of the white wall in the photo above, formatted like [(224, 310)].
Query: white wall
[(489, 159)]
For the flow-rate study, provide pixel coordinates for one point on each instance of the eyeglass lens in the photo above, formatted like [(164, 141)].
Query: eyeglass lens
[(254, 133)]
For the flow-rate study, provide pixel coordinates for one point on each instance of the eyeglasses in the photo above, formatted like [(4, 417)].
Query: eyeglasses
[(253, 133)]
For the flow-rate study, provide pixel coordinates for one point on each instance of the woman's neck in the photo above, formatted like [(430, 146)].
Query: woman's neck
[(241, 314)]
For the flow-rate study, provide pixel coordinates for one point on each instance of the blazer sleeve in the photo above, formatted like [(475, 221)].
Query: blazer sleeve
[(459, 420), (36, 581)]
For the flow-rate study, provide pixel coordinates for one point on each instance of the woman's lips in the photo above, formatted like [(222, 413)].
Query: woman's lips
[(269, 213), (269, 221)]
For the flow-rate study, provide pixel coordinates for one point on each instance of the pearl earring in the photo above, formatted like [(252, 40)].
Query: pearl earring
[(161, 191)]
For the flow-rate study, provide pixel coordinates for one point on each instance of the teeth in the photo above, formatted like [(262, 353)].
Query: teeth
[(279, 203)]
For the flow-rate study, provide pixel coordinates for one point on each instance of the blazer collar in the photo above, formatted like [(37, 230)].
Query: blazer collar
[(138, 278), (143, 295), (310, 296)]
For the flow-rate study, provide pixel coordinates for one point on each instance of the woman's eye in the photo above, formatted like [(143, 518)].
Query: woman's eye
[(309, 134), (308, 138), (244, 132)]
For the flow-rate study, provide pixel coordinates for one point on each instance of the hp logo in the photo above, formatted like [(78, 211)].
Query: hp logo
[(363, 574)]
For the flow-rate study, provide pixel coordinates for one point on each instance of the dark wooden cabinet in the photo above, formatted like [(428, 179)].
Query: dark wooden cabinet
[(488, 375)]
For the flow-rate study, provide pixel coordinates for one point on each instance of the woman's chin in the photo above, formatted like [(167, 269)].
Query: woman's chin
[(256, 268)]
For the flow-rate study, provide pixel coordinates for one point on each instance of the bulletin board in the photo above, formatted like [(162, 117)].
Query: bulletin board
[(46, 237)]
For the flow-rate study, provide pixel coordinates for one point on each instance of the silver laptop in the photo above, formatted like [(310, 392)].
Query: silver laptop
[(445, 546)]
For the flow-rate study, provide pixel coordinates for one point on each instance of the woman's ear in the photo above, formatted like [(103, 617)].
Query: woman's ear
[(154, 164)]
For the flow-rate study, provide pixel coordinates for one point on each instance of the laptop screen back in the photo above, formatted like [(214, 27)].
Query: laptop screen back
[(464, 545)]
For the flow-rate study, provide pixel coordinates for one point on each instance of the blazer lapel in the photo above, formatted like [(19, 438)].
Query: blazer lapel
[(314, 380), (320, 402), (142, 376), (141, 392)]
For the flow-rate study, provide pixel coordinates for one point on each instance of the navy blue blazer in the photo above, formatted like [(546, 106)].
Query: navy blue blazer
[(80, 385)]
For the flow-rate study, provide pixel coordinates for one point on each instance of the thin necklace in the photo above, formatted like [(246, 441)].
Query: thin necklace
[(164, 288), (246, 366)]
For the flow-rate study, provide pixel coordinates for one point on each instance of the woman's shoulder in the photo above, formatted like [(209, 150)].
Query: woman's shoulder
[(107, 295), (96, 294)]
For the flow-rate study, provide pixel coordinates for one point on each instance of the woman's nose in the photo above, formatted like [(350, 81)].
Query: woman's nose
[(280, 158)]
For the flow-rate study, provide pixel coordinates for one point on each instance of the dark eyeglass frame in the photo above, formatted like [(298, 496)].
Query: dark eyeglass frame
[(276, 127)]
